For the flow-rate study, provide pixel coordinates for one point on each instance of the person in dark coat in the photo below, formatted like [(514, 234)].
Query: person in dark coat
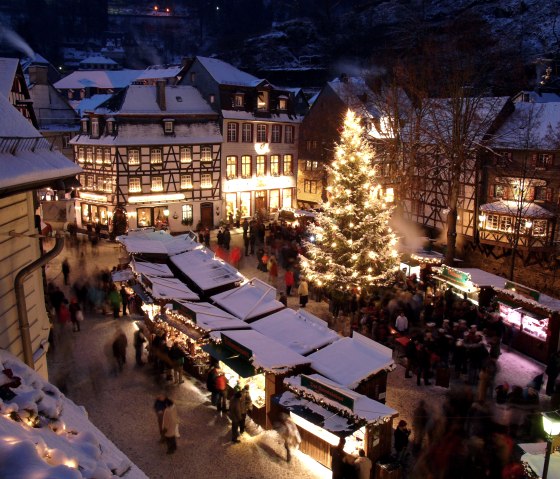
[(423, 357), (139, 340), (211, 383), (401, 439), (124, 298), (410, 354), (65, 270), (227, 238), (159, 407), (74, 307), (119, 348), (337, 460), (552, 371), (207, 238), (235, 415)]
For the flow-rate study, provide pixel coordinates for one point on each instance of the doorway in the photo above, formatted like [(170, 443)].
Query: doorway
[(207, 215)]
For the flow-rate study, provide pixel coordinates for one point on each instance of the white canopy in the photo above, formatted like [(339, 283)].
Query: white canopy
[(209, 317), (168, 288), (301, 331), (157, 242), (151, 269)]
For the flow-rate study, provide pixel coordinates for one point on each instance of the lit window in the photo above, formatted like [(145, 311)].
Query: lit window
[(505, 223), (246, 166), (90, 182), (539, 227), (212, 99), (185, 154), (157, 183), (168, 127), (231, 167), (276, 134), (289, 134), (206, 180), (232, 132), (89, 154), (274, 165), (107, 156), (261, 133), (133, 157), (310, 186), (85, 126), (261, 165), (282, 104), (187, 214), (239, 100), (287, 198), (262, 100), (95, 127), (81, 155), (100, 183), (311, 165), (83, 180), (108, 184), (155, 157), (206, 153), (288, 165), (542, 160), (492, 222), (186, 182), (109, 127), (247, 133), (99, 156), (134, 185)]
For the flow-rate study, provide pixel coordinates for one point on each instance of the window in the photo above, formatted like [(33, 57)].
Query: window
[(504, 159), (107, 156), (90, 182), (262, 100), (247, 133), (274, 165), (289, 134), (81, 154), (310, 186), (133, 157), (540, 193), (89, 154), (308, 145), (287, 198), (155, 157), (261, 133), (311, 165), (246, 166), (212, 99), (231, 167), (206, 180), (85, 126), (83, 180), (157, 183), (288, 165), (276, 134), (98, 156), (95, 127), (232, 132), (100, 183), (505, 223), (498, 191), (239, 100), (274, 200), (261, 165), (282, 103), (187, 214), (539, 227), (542, 160), (144, 216), (185, 154), (108, 184), (206, 153), (134, 185), (417, 207), (109, 127), (186, 182), (168, 127), (492, 222)]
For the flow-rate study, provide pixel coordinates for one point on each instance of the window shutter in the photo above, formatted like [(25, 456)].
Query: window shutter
[(549, 194)]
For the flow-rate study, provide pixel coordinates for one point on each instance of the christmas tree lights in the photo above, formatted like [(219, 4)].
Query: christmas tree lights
[(355, 249)]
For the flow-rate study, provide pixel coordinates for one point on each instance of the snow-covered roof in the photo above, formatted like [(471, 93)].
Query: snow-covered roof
[(65, 445), (349, 89), (536, 97), (531, 126), (98, 60), (209, 317), (267, 354), (511, 208), (8, 68), (122, 275), (548, 303), (205, 270), (179, 100), (273, 118), (89, 104), (363, 408), (482, 278), (168, 288), (300, 330), (349, 361), (151, 269), (251, 300), (104, 79), (536, 463), (150, 241), (156, 72), (226, 74)]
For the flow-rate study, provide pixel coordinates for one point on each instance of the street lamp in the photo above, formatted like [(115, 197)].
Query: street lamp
[(551, 426)]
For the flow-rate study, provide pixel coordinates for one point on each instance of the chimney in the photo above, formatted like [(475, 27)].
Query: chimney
[(160, 94), (344, 78), (38, 75)]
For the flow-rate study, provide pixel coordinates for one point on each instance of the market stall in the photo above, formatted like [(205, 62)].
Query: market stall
[(249, 357), (166, 289), (357, 363), (533, 461), (477, 285), (300, 330), (152, 269), (324, 411), (533, 319), (157, 245), (205, 273), (251, 301)]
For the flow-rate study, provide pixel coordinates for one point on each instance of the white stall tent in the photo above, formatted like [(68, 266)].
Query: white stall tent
[(300, 330), (534, 458), (151, 269), (168, 288), (208, 317), (150, 242)]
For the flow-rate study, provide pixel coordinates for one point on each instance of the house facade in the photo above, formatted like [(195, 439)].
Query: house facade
[(260, 127), (152, 153)]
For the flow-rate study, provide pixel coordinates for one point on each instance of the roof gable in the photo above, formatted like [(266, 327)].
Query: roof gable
[(226, 74)]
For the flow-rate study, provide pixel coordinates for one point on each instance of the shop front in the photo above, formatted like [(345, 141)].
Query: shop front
[(250, 358), (325, 411), (532, 319), (94, 209)]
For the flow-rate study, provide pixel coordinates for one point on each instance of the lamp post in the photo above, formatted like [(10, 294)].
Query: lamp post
[(551, 426)]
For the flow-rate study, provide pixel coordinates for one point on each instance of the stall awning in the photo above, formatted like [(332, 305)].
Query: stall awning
[(232, 359), (143, 295)]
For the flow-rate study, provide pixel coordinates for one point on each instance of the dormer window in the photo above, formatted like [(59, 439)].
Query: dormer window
[(94, 128), (239, 100), (110, 126), (85, 125), (168, 127), (212, 99), (262, 100), (282, 103)]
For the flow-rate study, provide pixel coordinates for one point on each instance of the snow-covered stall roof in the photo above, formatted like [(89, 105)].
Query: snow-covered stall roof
[(300, 330), (263, 352), (226, 74), (104, 79), (511, 208), (157, 242), (209, 317), (122, 275), (536, 463), (482, 278), (168, 288), (151, 269), (251, 300), (349, 361), (335, 396), (8, 68), (546, 303), (205, 270), (65, 445)]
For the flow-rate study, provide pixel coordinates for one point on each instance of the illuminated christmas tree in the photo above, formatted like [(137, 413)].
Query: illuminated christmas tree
[(355, 248)]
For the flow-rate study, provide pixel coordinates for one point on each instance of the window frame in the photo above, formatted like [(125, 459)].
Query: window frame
[(187, 158), (186, 179), (260, 165), (131, 156), (275, 165), (246, 166), (260, 137), (244, 137), (133, 179), (168, 127), (231, 167), (203, 154), (206, 181), (276, 134), (290, 171), (289, 138), (187, 214), (107, 160), (153, 156), (232, 130), (153, 183)]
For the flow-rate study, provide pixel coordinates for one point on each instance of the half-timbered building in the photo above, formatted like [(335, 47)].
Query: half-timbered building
[(260, 126), (153, 152)]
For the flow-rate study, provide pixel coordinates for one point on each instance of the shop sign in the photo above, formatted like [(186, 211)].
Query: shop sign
[(522, 290), (328, 392), (456, 276), (235, 346)]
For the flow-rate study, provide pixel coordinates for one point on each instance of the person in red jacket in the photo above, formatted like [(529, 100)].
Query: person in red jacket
[(220, 386), (289, 281)]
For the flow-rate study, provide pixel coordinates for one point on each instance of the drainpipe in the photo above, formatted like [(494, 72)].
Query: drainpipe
[(20, 293)]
